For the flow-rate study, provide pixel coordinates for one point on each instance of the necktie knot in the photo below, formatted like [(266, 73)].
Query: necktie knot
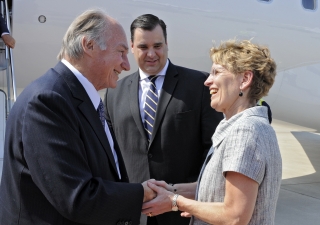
[(153, 78)]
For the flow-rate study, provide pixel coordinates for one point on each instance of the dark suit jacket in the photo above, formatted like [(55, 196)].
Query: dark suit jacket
[(58, 165), (182, 132), (3, 25)]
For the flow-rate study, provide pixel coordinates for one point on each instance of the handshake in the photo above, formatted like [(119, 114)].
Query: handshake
[(160, 197)]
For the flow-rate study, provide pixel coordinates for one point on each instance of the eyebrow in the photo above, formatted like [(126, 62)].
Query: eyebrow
[(125, 46), (143, 44)]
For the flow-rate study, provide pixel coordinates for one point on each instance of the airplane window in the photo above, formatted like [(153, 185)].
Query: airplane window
[(309, 4)]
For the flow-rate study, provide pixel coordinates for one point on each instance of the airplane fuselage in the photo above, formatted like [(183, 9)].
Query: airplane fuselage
[(290, 31)]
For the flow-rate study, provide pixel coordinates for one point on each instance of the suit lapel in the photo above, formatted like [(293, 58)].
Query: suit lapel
[(91, 115), (86, 108), (134, 102), (122, 167), (169, 84)]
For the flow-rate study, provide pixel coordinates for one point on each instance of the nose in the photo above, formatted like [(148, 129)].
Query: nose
[(125, 64), (151, 53), (209, 80)]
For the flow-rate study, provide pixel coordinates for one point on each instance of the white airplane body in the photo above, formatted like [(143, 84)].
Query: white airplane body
[(291, 31)]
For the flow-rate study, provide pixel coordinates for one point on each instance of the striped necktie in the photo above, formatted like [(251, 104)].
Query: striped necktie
[(150, 107), (100, 111)]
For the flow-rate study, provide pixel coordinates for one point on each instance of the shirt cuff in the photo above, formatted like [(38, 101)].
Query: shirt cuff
[(4, 33)]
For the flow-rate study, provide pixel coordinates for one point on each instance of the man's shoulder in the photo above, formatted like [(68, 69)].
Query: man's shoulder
[(122, 84), (124, 81), (128, 78), (54, 81), (45, 82)]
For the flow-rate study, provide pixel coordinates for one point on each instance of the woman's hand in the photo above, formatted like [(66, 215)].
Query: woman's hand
[(163, 184)]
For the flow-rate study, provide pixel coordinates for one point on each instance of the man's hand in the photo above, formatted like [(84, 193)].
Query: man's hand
[(185, 214), (8, 40), (149, 194), (161, 204)]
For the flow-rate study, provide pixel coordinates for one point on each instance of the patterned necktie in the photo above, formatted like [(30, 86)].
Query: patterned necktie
[(100, 111), (150, 107)]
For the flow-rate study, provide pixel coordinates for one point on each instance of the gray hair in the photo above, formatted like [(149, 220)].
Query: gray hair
[(92, 24)]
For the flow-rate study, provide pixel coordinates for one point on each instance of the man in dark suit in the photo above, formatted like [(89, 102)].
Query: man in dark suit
[(62, 164), (166, 138)]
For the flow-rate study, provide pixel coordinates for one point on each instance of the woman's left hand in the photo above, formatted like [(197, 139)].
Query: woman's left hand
[(163, 184)]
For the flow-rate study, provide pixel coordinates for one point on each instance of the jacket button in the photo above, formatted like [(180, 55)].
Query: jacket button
[(150, 155)]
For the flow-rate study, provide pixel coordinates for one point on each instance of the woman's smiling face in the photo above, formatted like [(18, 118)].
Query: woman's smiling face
[(224, 88)]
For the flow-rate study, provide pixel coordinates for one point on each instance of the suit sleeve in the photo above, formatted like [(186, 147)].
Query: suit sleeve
[(3, 25), (210, 119), (56, 156)]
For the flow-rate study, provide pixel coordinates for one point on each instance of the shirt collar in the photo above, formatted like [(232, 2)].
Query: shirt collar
[(163, 72), (88, 86)]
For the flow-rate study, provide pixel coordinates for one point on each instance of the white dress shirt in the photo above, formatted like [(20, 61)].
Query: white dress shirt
[(95, 99), (144, 85)]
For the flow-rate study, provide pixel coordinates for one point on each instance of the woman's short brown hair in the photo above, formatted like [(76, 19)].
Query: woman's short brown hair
[(240, 56)]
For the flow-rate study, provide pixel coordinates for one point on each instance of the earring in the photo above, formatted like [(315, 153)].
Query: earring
[(241, 93)]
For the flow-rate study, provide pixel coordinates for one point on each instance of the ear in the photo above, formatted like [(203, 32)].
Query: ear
[(87, 46), (131, 47), (246, 80)]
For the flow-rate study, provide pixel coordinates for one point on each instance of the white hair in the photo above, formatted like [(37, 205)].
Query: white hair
[(92, 24)]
